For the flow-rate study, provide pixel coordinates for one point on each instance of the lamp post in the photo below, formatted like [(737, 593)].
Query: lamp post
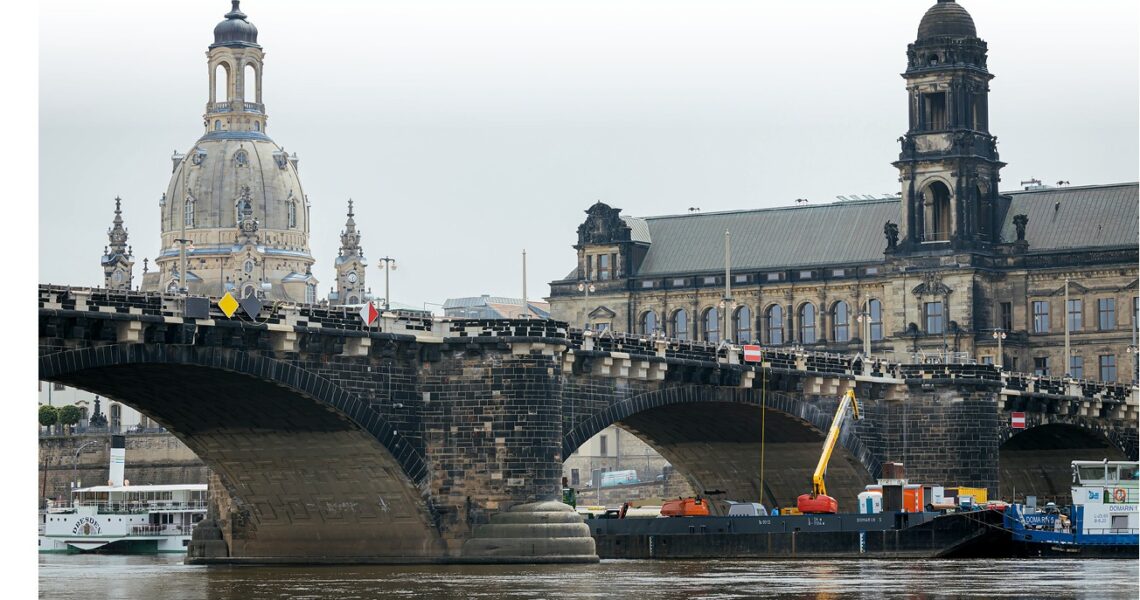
[(389, 265), (864, 320), (75, 462), (1068, 361), (586, 287), (183, 280), (1134, 349), (999, 335), (726, 305)]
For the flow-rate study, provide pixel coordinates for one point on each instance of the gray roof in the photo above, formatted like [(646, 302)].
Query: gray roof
[(787, 237), (1097, 216), (851, 232)]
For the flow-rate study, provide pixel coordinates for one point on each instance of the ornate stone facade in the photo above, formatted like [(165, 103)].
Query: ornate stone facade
[(350, 267), (118, 260), (235, 204), (932, 274)]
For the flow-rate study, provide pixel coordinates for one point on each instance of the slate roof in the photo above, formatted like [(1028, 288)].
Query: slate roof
[(851, 232), (1100, 216), (786, 237)]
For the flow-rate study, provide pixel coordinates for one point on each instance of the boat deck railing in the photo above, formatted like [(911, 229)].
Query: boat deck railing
[(133, 508), (148, 530)]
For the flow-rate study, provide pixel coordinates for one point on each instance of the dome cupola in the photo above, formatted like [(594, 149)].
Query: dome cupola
[(235, 30), (946, 19)]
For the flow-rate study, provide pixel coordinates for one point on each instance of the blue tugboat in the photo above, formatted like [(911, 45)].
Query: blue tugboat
[(1103, 521)]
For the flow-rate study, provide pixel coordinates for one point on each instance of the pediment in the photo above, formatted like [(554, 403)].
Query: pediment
[(602, 312)]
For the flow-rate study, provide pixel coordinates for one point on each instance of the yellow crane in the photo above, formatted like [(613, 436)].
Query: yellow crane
[(818, 501)]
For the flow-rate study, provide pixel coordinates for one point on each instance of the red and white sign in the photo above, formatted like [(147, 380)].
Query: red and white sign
[(368, 313), (752, 354), (1017, 420)]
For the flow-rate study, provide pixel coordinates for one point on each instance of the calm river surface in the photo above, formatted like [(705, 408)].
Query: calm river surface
[(164, 577)]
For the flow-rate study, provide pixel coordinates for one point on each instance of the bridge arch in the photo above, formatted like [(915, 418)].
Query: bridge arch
[(309, 469), (1035, 461), (712, 435)]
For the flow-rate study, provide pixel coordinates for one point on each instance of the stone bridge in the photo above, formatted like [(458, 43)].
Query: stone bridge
[(411, 440)]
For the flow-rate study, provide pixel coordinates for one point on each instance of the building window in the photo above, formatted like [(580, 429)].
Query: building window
[(603, 267), (805, 274), (679, 324), (1040, 316), (590, 268), (933, 311), (188, 215), (773, 276), (775, 324), (710, 280), (840, 328), (1106, 314), (710, 325), (807, 323), (987, 360), (648, 322), (742, 325), (257, 125), (1108, 367), (871, 270), (1076, 367), (1006, 316), (678, 283), (217, 125), (740, 279), (837, 272), (602, 449), (575, 477), (1041, 366), (1075, 313), (310, 294), (647, 283), (292, 215), (875, 310)]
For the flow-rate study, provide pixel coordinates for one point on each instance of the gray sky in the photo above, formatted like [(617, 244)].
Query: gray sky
[(467, 131)]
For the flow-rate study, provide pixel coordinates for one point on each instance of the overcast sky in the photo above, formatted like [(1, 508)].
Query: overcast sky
[(467, 131)]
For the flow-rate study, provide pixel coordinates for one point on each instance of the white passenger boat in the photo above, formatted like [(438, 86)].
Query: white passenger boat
[(121, 518)]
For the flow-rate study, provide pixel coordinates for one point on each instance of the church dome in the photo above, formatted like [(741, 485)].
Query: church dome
[(946, 19), (235, 30)]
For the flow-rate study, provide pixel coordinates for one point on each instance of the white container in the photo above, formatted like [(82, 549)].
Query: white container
[(870, 502)]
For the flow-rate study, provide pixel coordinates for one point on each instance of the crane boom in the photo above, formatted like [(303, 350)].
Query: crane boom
[(817, 486)]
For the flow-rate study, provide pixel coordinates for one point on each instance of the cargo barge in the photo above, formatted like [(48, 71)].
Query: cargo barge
[(882, 535)]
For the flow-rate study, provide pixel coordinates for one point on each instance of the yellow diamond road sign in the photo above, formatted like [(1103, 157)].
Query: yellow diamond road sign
[(228, 304)]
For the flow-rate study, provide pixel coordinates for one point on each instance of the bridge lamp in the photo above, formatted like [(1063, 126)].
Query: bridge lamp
[(864, 321), (999, 335), (587, 288)]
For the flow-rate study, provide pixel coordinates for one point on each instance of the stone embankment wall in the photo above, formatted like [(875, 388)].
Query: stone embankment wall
[(151, 458)]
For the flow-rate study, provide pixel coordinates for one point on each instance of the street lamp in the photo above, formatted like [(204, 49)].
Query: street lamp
[(999, 335), (586, 287), (864, 319), (183, 281), (389, 265), (75, 462)]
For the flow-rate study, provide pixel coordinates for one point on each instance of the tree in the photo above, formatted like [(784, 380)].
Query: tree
[(49, 415), (69, 415)]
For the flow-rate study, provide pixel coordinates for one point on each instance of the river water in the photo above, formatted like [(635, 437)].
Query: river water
[(164, 577)]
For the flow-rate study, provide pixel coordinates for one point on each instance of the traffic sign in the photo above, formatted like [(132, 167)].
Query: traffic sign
[(752, 354), (1017, 420), (368, 313), (228, 304)]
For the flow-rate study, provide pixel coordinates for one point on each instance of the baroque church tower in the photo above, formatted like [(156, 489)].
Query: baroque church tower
[(118, 260), (235, 210), (350, 287), (948, 165)]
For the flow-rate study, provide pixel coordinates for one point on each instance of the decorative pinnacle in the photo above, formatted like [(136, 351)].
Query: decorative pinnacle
[(350, 207)]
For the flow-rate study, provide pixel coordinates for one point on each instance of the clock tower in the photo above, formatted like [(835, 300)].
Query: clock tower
[(350, 266)]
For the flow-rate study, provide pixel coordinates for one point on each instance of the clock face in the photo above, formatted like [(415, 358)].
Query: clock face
[(352, 277)]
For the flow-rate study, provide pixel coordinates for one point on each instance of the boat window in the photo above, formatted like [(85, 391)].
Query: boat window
[(1129, 473), (1092, 473)]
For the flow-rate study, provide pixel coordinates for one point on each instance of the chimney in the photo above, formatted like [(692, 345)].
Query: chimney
[(118, 459)]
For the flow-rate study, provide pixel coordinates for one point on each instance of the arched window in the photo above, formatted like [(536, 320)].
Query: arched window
[(936, 213), (774, 322), (311, 294), (840, 319), (807, 323), (188, 214), (292, 214), (221, 83), (742, 325), (647, 324), (679, 324), (249, 83), (257, 125), (217, 125), (875, 312), (710, 325), (353, 300)]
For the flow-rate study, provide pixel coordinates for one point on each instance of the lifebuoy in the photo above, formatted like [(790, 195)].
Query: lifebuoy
[(1119, 495)]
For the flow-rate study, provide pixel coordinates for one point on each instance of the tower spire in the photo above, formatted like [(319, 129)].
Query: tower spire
[(349, 265), (117, 260)]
